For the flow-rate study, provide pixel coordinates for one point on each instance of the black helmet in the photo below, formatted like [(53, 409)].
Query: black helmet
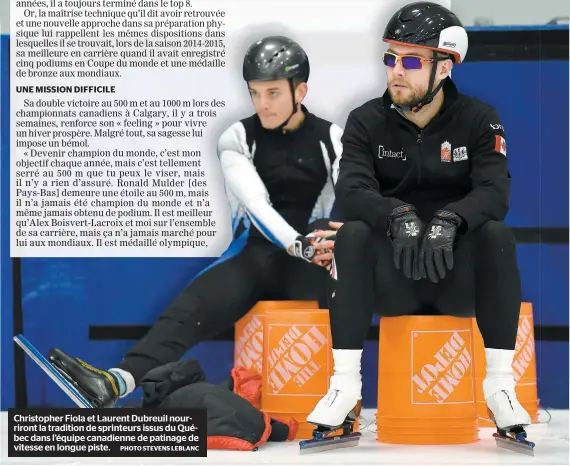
[(432, 26), (429, 25), (275, 57)]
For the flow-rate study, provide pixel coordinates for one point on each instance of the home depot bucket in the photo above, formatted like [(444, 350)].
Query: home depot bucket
[(524, 367), (426, 381), (248, 342), (297, 364)]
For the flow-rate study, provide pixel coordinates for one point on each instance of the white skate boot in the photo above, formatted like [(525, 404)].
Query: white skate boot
[(339, 408), (502, 403)]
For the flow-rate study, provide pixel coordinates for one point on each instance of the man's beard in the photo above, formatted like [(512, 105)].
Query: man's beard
[(405, 98)]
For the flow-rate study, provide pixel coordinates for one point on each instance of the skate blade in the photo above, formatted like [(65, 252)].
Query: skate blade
[(52, 372), (330, 443), (514, 445)]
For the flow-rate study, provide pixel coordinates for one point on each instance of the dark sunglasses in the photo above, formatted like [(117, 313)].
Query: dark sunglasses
[(409, 62)]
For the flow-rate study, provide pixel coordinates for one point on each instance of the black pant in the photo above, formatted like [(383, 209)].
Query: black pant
[(217, 299), (485, 283)]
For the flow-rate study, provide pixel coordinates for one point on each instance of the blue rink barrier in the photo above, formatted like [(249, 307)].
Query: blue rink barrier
[(60, 300)]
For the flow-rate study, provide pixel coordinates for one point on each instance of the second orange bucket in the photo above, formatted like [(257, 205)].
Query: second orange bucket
[(297, 364), (426, 381), (248, 346)]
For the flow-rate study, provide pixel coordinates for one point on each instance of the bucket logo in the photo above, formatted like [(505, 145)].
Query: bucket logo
[(249, 346), (295, 357), (524, 349), (441, 362)]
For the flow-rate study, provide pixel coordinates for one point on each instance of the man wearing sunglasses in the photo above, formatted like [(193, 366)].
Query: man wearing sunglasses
[(423, 189), (279, 166)]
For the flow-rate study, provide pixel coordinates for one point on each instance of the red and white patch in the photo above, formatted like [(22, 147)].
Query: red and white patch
[(446, 152), (500, 145)]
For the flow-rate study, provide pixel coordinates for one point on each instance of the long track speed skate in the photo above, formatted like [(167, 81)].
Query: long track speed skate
[(324, 438), (86, 386), (513, 438), (59, 377)]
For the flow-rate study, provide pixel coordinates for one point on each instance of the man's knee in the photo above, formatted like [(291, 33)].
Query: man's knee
[(354, 236)]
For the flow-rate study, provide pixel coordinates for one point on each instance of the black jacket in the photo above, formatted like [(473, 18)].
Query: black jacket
[(279, 182), (457, 162)]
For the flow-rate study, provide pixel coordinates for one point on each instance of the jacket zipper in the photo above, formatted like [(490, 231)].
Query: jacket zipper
[(419, 141)]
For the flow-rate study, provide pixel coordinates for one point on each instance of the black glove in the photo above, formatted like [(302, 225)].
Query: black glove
[(404, 229), (436, 253), (303, 248)]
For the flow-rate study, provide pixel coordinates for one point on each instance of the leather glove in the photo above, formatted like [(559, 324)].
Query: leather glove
[(436, 254), (303, 248), (404, 229)]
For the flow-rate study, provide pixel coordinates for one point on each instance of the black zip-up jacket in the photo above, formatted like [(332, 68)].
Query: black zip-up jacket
[(280, 182), (457, 162)]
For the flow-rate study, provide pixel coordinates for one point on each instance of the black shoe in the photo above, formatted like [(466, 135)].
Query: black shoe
[(100, 388)]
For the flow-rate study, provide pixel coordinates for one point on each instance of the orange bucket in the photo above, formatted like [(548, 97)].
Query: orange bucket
[(297, 364), (248, 342), (442, 423), (431, 439), (426, 381), (524, 367)]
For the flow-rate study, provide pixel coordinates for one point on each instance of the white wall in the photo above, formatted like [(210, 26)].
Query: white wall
[(4, 16), (502, 12), (510, 12)]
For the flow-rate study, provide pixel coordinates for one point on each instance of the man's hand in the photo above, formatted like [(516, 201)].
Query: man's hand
[(324, 244), (404, 229), (317, 247), (436, 253), (302, 248)]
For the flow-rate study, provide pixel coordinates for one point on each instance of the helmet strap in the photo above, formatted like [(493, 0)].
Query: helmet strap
[(292, 87), (295, 110), (430, 94)]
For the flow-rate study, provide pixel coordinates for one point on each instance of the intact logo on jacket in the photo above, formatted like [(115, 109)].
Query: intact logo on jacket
[(390, 154)]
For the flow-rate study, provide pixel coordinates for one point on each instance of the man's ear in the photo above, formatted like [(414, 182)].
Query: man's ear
[(301, 92), (446, 67)]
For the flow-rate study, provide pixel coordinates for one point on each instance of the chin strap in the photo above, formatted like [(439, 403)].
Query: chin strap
[(292, 87), (430, 94)]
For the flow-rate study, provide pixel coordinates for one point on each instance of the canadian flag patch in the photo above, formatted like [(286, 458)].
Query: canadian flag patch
[(500, 145)]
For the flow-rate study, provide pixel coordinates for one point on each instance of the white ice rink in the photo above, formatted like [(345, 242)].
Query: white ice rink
[(551, 440)]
